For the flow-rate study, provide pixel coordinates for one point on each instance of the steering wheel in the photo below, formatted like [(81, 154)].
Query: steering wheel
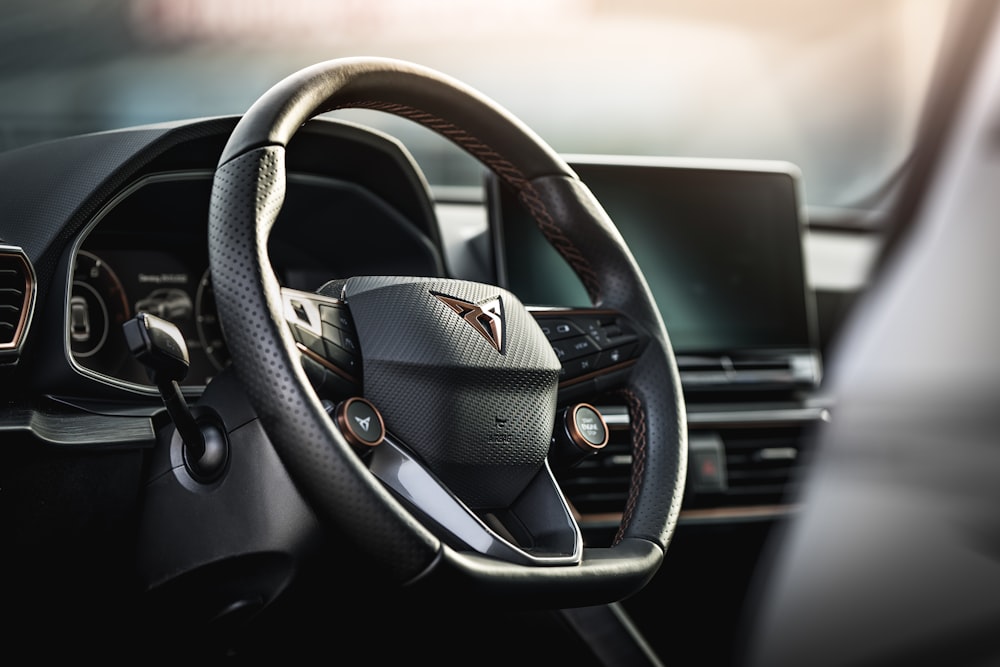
[(460, 493)]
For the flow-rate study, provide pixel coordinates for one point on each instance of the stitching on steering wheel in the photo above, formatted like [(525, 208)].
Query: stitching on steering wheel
[(637, 418), (506, 170)]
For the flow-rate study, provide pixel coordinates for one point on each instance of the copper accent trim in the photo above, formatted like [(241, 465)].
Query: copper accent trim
[(599, 372), (326, 364), (576, 436), (750, 512), (485, 317), (27, 301), (348, 429), (556, 311)]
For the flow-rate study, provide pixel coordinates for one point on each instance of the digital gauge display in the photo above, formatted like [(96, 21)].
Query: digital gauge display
[(97, 309), (111, 286)]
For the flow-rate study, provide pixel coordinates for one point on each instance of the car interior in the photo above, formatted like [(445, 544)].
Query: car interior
[(276, 387)]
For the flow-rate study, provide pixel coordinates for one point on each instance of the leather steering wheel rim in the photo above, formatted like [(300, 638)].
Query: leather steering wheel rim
[(248, 192)]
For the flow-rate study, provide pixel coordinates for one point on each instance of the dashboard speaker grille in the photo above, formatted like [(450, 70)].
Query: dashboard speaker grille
[(17, 288)]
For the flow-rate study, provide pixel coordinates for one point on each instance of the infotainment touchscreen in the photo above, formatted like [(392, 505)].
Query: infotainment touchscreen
[(720, 242)]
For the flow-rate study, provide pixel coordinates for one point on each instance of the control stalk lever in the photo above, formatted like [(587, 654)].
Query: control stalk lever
[(159, 346)]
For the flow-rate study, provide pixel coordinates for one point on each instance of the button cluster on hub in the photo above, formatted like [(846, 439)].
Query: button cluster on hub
[(588, 341), (325, 334)]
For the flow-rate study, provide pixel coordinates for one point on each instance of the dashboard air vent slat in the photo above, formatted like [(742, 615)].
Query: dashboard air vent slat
[(761, 463)]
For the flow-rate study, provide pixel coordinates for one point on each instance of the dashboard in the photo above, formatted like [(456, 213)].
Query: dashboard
[(144, 251), (124, 232)]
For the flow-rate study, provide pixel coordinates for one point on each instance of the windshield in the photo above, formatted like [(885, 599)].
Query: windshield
[(834, 87)]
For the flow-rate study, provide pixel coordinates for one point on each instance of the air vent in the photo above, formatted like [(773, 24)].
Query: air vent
[(762, 464), (761, 365), (775, 369), (598, 486), (760, 453), (17, 291), (696, 364)]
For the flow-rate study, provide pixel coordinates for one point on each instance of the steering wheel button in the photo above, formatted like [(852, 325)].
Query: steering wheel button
[(332, 334), (557, 329), (572, 348), (348, 343), (360, 422), (350, 365), (338, 316), (583, 346), (598, 331), (311, 341), (330, 314), (300, 311), (582, 433), (341, 358), (587, 427), (581, 366), (616, 355)]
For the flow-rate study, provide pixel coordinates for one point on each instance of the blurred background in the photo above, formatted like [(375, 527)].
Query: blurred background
[(835, 87)]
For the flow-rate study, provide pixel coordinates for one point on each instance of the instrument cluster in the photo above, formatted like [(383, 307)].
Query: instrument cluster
[(355, 204), (111, 286), (146, 252)]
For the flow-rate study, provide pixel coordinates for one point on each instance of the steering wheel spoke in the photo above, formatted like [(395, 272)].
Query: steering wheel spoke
[(537, 529)]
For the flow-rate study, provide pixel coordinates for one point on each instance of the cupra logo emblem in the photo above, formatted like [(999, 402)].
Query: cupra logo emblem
[(485, 317)]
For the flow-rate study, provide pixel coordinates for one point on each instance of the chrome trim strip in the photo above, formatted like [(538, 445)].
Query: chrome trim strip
[(616, 417), (768, 417)]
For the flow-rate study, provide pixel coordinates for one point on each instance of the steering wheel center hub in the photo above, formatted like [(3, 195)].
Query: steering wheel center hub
[(463, 375)]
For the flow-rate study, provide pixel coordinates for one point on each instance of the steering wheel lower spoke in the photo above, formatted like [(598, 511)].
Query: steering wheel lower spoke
[(537, 529)]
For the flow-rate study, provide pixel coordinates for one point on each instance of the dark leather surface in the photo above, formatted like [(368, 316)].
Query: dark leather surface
[(445, 105), (246, 199)]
